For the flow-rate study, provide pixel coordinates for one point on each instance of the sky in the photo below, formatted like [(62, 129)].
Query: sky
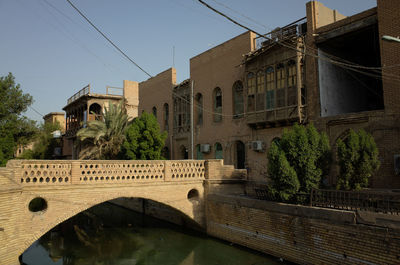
[(53, 52)]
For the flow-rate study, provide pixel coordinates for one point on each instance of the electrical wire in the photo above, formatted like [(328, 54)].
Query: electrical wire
[(110, 41), (37, 112), (394, 78)]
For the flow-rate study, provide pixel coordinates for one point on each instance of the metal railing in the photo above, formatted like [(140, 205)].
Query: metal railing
[(367, 200), (375, 201), (295, 28), (80, 93), (118, 91)]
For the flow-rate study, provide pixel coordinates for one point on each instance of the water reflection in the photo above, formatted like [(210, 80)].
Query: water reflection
[(123, 237)]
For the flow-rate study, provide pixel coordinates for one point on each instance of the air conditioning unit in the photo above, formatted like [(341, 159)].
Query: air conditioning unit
[(257, 146), (205, 148)]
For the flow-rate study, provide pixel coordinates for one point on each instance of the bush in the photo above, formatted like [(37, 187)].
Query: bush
[(358, 160), (144, 140), (284, 179), (297, 161)]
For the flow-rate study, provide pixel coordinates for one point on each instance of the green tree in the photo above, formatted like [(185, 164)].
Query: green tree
[(358, 160), (285, 183), (44, 143), (102, 139), (15, 129), (144, 140), (306, 152)]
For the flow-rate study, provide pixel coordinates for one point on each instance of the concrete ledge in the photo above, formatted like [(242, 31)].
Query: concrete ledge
[(378, 219), (289, 209)]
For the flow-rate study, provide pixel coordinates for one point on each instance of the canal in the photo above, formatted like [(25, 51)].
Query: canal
[(108, 234)]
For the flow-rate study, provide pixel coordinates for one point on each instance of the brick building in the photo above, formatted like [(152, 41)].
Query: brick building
[(85, 106), (325, 68)]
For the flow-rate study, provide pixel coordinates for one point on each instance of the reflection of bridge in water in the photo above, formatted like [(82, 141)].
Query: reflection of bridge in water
[(64, 188)]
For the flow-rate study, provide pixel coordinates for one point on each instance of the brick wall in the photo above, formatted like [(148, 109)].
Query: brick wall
[(301, 234)]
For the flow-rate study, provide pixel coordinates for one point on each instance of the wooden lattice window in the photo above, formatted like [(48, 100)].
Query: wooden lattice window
[(280, 85), (260, 91), (270, 86), (251, 91)]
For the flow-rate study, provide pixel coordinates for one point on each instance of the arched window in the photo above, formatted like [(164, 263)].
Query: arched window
[(217, 104), (292, 83), (251, 91), (199, 108), (199, 154), (175, 114), (94, 112), (154, 110), (260, 91), (270, 85), (218, 151), (237, 92), (166, 117), (280, 85)]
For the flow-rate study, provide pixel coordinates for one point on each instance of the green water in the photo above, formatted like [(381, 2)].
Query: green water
[(107, 234)]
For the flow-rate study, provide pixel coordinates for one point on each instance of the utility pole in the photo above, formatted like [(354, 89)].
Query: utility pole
[(191, 121)]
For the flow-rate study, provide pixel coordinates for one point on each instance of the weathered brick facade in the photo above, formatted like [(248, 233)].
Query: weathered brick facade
[(301, 234)]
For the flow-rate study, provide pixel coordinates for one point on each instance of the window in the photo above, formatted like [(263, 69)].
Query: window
[(181, 110), (237, 92), (217, 104), (280, 85), (175, 114), (218, 151), (270, 85), (166, 117), (199, 108), (251, 87), (155, 112), (260, 91), (292, 83)]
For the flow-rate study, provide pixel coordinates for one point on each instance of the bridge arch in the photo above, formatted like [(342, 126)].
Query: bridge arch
[(74, 202), (76, 185)]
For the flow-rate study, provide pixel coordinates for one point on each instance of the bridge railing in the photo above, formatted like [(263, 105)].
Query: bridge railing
[(67, 172)]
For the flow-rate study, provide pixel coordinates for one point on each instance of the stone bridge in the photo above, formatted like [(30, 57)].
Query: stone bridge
[(65, 188)]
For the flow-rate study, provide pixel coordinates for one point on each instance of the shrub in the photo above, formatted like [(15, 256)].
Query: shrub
[(144, 140), (358, 160), (302, 156)]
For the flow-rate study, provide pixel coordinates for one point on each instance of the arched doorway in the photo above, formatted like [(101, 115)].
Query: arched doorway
[(240, 154)]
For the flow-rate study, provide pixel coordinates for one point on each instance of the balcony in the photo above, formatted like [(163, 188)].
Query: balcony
[(272, 117), (84, 91)]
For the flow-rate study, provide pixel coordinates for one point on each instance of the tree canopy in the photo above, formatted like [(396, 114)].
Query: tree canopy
[(44, 143), (102, 139), (358, 160), (144, 140), (297, 161), (15, 129)]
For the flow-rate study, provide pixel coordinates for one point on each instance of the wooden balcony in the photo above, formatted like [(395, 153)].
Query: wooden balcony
[(283, 115)]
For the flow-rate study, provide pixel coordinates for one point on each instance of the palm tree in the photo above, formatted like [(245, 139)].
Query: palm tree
[(102, 139)]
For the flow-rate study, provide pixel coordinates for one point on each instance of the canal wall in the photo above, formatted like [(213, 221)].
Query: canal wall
[(305, 235)]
